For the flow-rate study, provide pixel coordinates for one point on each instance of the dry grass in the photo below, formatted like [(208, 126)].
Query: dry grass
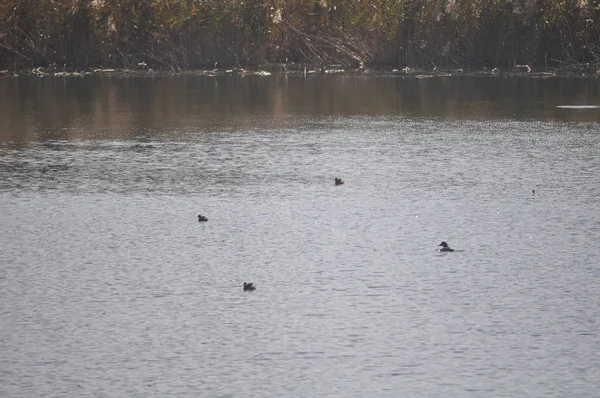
[(187, 34)]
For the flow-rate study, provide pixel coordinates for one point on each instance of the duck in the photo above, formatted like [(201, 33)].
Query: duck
[(445, 247), (249, 286), (202, 218), (338, 181)]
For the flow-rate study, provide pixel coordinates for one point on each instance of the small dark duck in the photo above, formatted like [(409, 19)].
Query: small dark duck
[(445, 247), (338, 181), (249, 287), (202, 218)]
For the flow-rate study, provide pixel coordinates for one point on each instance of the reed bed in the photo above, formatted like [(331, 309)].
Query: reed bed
[(176, 35)]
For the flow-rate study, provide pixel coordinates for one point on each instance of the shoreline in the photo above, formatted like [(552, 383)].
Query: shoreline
[(571, 71)]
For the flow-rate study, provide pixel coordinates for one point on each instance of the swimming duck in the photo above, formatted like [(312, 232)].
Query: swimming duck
[(338, 181), (445, 247), (249, 286), (202, 218)]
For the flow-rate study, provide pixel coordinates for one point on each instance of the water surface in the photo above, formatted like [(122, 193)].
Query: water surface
[(110, 287)]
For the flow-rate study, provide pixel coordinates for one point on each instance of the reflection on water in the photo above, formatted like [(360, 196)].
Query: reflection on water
[(111, 107), (109, 285), (579, 106)]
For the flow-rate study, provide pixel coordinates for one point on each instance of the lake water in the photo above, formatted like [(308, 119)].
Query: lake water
[(110, 287)]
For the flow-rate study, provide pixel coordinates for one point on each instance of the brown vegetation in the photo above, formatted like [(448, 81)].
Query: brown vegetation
[(178, 35)]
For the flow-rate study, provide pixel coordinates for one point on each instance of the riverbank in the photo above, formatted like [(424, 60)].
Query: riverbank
[(175, 36), (572, 71)]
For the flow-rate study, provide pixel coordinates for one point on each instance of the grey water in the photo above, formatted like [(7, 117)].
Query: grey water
[(110, 287)]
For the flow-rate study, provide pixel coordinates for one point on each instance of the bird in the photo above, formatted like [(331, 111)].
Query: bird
[(445, 247), (249, 286), (338, 181), (202, 218)]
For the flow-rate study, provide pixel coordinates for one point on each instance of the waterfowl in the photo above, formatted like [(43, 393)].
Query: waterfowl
[(249, 286), (338, 181), (445, 247), (202, 218)]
